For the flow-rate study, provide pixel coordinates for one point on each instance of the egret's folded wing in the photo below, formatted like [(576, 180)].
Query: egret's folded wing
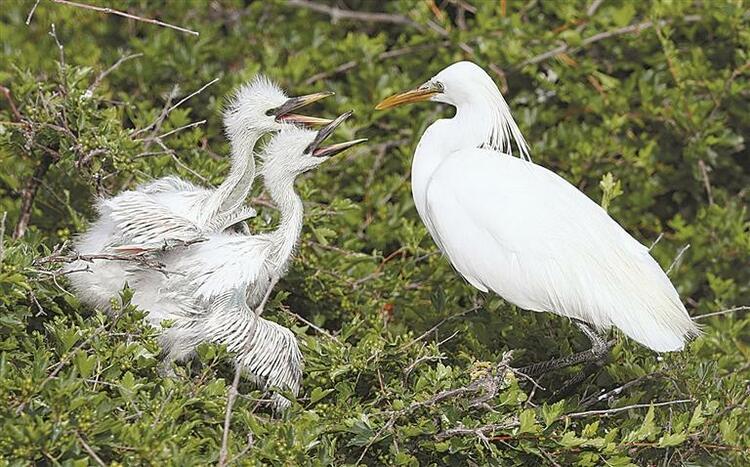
[(529, 235), (143, 222)]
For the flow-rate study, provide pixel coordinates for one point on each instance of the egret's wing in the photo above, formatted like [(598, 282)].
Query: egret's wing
[(530, 236), (142, 222), (166, 184)]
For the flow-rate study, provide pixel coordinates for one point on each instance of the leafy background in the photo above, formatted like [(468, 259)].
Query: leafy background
[(643, 105)]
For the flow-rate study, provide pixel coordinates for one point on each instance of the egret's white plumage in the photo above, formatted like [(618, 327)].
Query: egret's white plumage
[(518, 229)]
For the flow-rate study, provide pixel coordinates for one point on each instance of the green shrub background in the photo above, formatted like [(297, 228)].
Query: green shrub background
[(643, 105)]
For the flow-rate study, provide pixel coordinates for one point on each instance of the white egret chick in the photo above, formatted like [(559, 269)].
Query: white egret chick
[(514, 227), (219, 286), (173, 210)]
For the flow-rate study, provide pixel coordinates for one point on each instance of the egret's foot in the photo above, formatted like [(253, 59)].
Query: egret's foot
[(569, 386), (597, 353)]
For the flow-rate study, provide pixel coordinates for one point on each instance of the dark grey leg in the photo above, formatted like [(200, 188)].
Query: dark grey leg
[(598, 352)]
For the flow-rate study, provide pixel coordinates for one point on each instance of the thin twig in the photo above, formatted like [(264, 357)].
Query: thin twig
[(706, 181), (722, 312), (90, 451), (677, 258), (2, 236), (184, 127), (31, 13), (90, 90), (337, 14), (610, 412), (126, 15), (231, 397), (633, 28), (16, 114), (28, 194), (480, 431), (170, 109)]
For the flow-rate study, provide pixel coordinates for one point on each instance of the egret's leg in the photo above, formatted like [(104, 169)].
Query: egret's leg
[(165, 370), (598, 351), (271, 284)]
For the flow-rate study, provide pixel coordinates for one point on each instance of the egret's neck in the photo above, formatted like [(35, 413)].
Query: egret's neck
[(236, 187), (286, 236), (481, 122)]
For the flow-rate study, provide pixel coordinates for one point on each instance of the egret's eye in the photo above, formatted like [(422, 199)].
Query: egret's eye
[(438, 86)]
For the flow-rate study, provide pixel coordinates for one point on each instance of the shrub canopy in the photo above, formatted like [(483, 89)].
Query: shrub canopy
[(642, 105)]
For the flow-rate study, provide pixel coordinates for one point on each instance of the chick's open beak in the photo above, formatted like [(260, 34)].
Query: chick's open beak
[(317, 151), (415, 95), (283, 113)]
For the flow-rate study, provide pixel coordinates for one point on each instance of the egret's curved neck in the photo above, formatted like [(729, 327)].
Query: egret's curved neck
[(286, 236), (482, 120), (235, 188)]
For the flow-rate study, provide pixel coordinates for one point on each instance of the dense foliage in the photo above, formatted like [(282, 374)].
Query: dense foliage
[(643, 106)]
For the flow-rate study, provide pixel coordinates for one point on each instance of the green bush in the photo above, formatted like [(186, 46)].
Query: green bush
[(641, 105)]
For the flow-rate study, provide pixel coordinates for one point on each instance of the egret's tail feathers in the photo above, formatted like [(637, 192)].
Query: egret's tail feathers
[(273, 360), (661, 325)]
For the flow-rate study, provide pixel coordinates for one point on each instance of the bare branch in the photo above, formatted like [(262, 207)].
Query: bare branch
[(31, 13), (706, 182), (481, 431), (90, 90), (126, 15), (2, 237), (722, 312), (6, 92), (90, 451), (184, 127), (231, 397), (29, 192), (338, 14), (610, 412), (166, 112), (677, 258), (630, 29)]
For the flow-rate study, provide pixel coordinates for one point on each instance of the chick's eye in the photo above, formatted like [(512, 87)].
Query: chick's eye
[(269, 112)]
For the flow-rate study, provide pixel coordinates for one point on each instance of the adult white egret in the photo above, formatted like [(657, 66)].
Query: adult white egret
[(518, 229), (173, 210), (220, 285)]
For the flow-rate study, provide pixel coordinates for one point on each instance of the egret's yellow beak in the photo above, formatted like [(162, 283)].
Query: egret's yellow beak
[(415, 95)]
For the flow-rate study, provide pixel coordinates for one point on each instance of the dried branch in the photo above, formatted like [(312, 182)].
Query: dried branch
[(31, 13), (677, 258), (90, 451), (484, 388), (6, 92), (593, 399), (2, 236), (90, 90), (610, 412), (126, 15), (630, 29), (481, 431), (231, 397), (706, 182), (722, 312), (169, 109), (29, 192), (338, 14)]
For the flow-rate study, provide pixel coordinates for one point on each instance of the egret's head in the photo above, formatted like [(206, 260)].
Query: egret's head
[(260, 106), (462, 83), (486, 120), (295, 150)]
